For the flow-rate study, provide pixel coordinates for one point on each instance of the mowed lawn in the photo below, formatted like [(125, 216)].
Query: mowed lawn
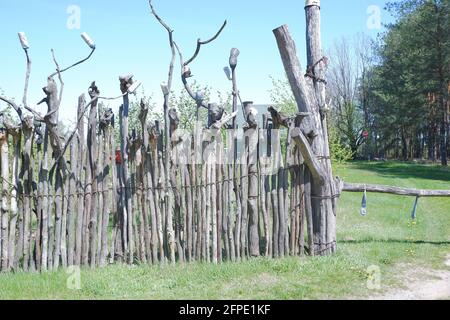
[(386, 238)]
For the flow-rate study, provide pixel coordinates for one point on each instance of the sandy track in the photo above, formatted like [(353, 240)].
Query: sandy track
[(420, 284)]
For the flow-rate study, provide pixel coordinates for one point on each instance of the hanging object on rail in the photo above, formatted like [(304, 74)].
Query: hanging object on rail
[(363, 210), (414, 212)]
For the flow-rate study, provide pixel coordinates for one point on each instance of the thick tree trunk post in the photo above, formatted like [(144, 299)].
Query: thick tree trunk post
[(317, 64), (234, 170), (136, 194), (5, 194), (159, 213), (265, 188), (184, 211), (122, 238), (80, 222), (44, 194), (168, 195), (51, 226), (220, 203), (196, 202), (72, 204), (208, 182), (12, 262), (107, 175), (199, 187), (281, 206), (299, 204), (287, 195), (125, 83), (292, 195), (87, 192), (229, 210), (64, 230), (268, 188), (190, 210), (251, 161), (38, 194), (163, 208), (213, 182), (321, 187), (92, 144), (153, 196), (115, 210), (174, 190), (150, 233), (58, 218), (244, 200), (225, 205), (276, 168), (308, 209), (99, 179), (26, 176), (204, 210)]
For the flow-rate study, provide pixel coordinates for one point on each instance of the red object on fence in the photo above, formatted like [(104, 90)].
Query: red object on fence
[(118, 157), (365, 134)]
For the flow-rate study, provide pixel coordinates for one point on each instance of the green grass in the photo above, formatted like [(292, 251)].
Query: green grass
[(386, 237)]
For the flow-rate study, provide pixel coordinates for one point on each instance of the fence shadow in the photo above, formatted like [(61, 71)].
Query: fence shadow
[(395, 241)]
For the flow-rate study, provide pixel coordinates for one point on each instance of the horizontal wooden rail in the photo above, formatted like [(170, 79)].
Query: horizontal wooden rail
[(359, 187)]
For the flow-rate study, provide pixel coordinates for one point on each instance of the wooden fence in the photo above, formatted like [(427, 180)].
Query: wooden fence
[(109, 206)]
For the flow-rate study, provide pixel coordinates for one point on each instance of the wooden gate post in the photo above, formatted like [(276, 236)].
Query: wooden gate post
[(312, 136), (316, 71)]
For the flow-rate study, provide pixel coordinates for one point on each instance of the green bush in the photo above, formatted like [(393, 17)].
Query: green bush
[(340, 153)]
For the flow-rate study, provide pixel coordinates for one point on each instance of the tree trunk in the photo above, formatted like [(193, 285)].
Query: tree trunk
[(5, 195), (325, 206), (80, 221), (304, 90)]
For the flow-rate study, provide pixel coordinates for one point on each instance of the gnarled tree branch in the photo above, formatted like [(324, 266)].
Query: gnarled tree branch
[(74, 65), (200, 43)]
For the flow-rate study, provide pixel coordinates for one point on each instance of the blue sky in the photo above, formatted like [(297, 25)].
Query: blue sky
[(130, 41)]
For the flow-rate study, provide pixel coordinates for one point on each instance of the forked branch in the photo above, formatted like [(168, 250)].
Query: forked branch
[(200, 43), (75, 64), (185, 70), (61, 89), (161, 21)]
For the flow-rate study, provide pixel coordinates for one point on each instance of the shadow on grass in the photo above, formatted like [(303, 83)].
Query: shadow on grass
[(406, 170), (399, 241)]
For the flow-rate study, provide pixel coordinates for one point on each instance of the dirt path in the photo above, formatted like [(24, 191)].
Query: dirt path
[(421, 284)]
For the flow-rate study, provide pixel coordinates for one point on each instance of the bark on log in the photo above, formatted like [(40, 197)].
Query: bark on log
[(359, 187)]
